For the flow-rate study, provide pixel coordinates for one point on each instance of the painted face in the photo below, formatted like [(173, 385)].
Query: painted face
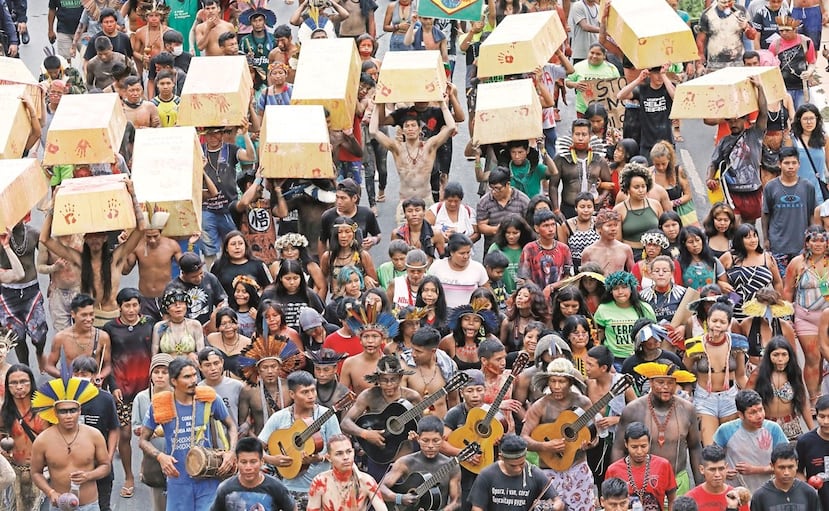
[(366, 48), (559, 386), (568, 307), (779, 358), (341, 455), (430, 443), (273, 319), (581, 137), (579, 337), (241, 295), (471, 325)]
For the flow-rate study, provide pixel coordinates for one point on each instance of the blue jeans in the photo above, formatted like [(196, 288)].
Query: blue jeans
[(190, 494), (396, 43), (550, 138), (350, 169), (215, 225), (797, 97)]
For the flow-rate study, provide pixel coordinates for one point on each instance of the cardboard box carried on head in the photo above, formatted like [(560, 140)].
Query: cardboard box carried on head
[(726, 93), (507, 111), (86, 128), (409, 76), (14, 126), (22, 185), (93, 204), (217, 92), (520, 43), (167, 170), (650, 33), (294, 143), (328, 74), (14, 71)]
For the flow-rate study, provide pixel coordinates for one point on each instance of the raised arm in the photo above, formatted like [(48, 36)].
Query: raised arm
[(16, 273)]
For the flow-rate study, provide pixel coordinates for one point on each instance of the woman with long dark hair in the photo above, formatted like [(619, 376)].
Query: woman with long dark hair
[(528, 304), (244, 301), (719, 226), (291, 291), (228, 340), (512, 234), (468, 325), (698, 264), (748, 267), (812, 145), (779, 382), (295, 246), (346, 251), (568, 301), (430, 295), (237, 259), (578, 333), (671, 225)]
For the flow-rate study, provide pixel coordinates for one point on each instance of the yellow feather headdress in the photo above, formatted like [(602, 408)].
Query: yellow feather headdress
[(272, 347), (656, 370), (61, 390)]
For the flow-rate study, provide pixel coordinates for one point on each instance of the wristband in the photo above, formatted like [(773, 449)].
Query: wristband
[(398, 499), (258, 181)]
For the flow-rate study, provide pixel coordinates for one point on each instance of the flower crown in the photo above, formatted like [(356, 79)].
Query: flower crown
[(292, 239)]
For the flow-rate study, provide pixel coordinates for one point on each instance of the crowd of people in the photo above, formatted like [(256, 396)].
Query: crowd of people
[(268, 363)]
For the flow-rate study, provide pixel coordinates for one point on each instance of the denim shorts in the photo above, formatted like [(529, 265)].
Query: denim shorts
[(717, 404)]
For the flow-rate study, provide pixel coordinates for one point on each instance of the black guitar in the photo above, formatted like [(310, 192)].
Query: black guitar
[(397, 419), (425, 486)]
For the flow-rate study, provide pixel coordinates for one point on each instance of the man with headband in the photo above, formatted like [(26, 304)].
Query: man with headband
[(608, 252), (473, 396), (512, 484), (325, 361)]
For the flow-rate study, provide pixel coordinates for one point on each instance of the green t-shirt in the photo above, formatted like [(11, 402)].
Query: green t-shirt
[(528, 180), (513, 255), (694, 8), (182, 16), (583, 71), (386, 273), (617, 323)]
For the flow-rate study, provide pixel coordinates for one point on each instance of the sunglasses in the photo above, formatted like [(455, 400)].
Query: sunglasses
[(68, 411)]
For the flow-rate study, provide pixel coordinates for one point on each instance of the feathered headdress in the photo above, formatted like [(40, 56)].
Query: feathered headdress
[(8, 338), (361, 319), (656, 370), (268, 347), (146, 7), (649, 331), (479, 307), (61, 390), (388, 364), (245, 279), (325, 357), (757, 309), (787, 22), (411, 313), (620, 278), (565, 142), (155, 217)]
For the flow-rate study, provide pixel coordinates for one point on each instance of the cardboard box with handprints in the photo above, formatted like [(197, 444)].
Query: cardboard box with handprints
[(15, 72), (727, 93), (650, 33), (408, 76), (328, 74), (507, 111), (22, 185), (86, 128), (167, 170), (294, 143), (93, 204), (217, 92), (520, 43), (14, 127)]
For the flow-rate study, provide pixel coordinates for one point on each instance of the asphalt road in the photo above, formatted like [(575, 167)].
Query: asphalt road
[(694, 153)]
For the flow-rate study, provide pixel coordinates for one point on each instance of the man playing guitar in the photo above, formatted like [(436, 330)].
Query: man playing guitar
[(473, 396), (493, 357), (576, 481)]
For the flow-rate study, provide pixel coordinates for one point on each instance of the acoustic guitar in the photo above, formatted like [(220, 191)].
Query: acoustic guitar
[(572, 428), (303, 438), (425, 486), (397, 420), (482, 426)]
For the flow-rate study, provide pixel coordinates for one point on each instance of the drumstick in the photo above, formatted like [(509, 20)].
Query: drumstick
[(98, 380)]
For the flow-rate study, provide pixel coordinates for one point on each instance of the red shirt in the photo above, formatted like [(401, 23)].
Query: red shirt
[(340, 344), (660, 482), (342, 153), (709, 501)]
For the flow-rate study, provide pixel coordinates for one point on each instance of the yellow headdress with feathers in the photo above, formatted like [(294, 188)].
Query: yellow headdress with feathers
[(656, 370), (61, 390), (271, 347)]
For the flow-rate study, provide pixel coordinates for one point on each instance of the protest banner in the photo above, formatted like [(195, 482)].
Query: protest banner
[(604, 92)]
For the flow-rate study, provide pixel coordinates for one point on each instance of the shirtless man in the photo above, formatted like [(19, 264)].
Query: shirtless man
[(427, 461), (560, 377), (208, 32), (325, 494), (79, 339), (493, 357), (429, 376), (672, 419), (356, 371), (608, 252), (414, 157), (21, 304), (154, 255), (263, 380), (329, 390), (102, 268), (147, 41), (64, 280), (285, 50), (84, 462), (386, 390), (140, 112)]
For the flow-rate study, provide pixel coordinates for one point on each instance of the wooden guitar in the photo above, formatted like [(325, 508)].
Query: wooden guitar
[(396, 420), (303, 438), (481, 424), (572, 428), (425, 486)]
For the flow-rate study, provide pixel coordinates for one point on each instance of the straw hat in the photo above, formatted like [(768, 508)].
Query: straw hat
[(559, 367)]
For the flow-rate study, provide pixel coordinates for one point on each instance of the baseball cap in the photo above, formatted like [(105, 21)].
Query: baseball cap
[(349, 186), (190, 262)]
